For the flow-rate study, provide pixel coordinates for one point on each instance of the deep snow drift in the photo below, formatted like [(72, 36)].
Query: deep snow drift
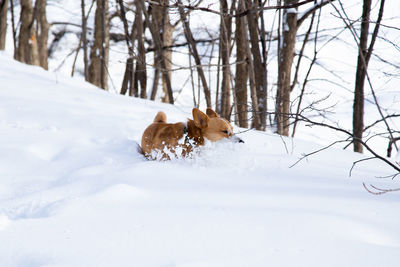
[(74, 191)]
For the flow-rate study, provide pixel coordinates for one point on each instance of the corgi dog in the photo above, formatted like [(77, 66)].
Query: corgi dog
[(181, 138)]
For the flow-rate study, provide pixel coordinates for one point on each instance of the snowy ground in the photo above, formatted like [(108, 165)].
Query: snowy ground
[(74, 191)]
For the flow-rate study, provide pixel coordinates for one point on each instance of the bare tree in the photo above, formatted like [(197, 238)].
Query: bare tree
[(140, 77), (33, 34), (84, 40), (285, 60), (290, 25), (358, 107), (256, 121), (225, 48), (27, 50), (364, 55), (100, 49), (13, 25), (259, 67), (42, 30), (194, 52), (160, 61), (241, 71), (128, 80), (160, 16), (3, 23)]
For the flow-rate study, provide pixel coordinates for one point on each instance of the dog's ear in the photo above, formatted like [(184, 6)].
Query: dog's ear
[(160, 117), (200, 119), (211, 113)]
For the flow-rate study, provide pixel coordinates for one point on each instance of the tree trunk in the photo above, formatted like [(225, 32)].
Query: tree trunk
[(225, 40), (253, 91), (160, 16), (285, 61), (264, 93), (159, 61), (84, 40), (27, 50), (259, 70), (130, 43), (167, 32), (156, 79), (100, 48), (13, 26), (3, 23), (193, 49), (241, 72), (42, 32), (358, 106), (140, 72)]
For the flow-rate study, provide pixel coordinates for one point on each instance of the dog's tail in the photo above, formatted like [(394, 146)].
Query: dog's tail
[(160, 117)]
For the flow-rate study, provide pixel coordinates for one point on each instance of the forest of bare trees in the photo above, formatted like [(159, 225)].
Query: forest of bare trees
[(252, 62)]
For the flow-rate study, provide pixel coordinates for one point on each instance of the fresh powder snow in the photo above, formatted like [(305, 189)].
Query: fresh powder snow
[(74, 191)]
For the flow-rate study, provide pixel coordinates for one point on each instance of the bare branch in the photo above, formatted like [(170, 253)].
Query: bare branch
[(241, 14), (379, 191), (310, 11), (304, 156), (357, 161)]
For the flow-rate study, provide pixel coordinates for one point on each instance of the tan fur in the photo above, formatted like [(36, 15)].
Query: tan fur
[(160, 134)]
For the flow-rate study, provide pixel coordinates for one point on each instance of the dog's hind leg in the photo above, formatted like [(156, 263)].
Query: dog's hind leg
[(160, 117)]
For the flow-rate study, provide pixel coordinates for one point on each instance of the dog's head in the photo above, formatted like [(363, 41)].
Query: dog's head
[(213, 127)]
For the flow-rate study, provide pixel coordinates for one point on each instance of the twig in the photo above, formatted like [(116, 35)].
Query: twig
[(304, 156), (357, 161), (379, 191), (350, 135), (241, 14)]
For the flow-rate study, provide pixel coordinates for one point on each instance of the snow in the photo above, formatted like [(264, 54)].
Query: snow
[(75, 192)]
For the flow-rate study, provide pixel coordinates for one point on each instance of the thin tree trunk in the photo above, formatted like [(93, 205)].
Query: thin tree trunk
[(160, 16), (358, 105), (192, 80), (140, 72), (127, 80), (285, 61), (99, 51), (264, 52), (130, 40), (167, 32), (103, 70), (259, 71), (241, 72), (156, 80), (157, 15), (309, 69), (253, 91), (13, 26), (158, 44), (43, 32), (225, 40), (217, 91), (3, 23), (84, 40), (192, 43)]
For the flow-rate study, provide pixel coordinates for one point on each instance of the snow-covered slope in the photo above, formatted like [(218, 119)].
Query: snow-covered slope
[(74, 191)]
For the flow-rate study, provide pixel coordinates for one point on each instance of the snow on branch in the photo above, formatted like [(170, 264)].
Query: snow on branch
[(305, 14)]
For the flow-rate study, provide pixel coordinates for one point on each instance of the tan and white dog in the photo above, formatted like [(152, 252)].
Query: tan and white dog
[(181, 138)]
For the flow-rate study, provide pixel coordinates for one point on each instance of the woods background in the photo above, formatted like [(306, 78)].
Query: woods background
[(276, 65)]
